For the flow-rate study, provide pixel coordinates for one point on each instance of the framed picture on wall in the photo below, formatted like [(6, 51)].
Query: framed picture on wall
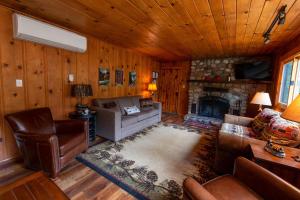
[(132, 78), (119, 77), (154, 75), (104, 76)]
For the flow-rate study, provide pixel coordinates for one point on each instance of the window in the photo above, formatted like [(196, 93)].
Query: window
[(290, 82), (285, 83)]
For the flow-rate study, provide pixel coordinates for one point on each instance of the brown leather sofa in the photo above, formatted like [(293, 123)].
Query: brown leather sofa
[(249, 181), (46, 144)]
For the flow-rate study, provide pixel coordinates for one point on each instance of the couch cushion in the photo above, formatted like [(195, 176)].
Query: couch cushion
[(109, 105), (234, 129), (146, 103), (227, 187), (129, 120), (282, 131), (125, 102), (101, 102), (68, 141), (262, 120), (145, 114), (136, 101)]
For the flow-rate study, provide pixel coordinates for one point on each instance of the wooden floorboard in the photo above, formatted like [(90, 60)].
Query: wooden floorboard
[(77, 180)]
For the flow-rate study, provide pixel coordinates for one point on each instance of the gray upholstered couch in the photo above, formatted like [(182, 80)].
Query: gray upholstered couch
[(113, 124)]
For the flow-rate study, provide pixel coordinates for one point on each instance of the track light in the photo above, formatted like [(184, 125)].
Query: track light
[(279, 19), (267, 39)]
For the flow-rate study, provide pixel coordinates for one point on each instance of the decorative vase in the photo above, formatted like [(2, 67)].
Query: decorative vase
[(218, 78)]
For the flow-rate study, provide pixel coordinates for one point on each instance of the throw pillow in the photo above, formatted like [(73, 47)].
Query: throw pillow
[(125, 102), (146, 103), (282, 132), (131, 110), (111, 104), (262, 120)]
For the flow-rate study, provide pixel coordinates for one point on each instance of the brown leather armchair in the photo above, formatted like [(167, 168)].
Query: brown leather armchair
[(46, 144), (249, 181)]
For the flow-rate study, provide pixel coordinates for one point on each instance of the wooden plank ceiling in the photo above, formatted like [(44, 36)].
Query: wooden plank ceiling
[(173, 29)]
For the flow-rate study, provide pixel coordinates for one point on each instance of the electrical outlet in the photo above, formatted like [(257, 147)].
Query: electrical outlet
[(19, 83)]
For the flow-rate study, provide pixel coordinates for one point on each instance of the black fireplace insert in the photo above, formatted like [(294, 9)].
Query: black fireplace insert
[(213, 106)]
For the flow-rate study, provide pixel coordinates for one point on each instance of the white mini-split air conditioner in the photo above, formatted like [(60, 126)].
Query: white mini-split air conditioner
[(26, 28)]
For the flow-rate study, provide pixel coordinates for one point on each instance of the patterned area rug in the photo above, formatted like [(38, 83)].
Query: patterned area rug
[(201, 122), (153, 163)]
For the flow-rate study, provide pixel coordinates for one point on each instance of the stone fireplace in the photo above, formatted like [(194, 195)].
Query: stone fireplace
[(213, 106), (214, 98)]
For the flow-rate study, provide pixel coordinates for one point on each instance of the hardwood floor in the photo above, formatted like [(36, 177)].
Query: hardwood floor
[(172, 118), (36, 186), (77, 180)]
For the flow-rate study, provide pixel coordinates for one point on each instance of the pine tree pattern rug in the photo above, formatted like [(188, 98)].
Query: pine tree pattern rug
[(153, 163)]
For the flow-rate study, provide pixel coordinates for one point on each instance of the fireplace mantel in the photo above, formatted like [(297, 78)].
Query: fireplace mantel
[(233, 81), (215, 89)]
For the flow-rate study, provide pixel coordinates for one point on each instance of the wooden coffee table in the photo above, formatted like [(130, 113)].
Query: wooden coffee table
[(286, 168)]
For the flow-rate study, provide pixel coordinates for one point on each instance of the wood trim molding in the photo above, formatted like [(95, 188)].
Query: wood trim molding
[(9, 161)]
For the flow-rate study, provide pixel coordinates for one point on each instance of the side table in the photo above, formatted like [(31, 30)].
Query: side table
[(286, 168), (91, 118)]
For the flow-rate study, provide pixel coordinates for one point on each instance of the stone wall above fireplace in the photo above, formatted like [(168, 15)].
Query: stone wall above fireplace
[(214, 74)]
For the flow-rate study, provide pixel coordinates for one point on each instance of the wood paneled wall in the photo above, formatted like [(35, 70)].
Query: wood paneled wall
[(173, 86), (44, 71)]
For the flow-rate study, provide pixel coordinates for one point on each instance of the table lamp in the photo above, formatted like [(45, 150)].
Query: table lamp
[(292, 113), (261, 98), (80, 91), (152, 87)]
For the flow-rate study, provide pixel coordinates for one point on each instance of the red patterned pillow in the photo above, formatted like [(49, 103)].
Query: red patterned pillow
[(262, 120), (282, 131)]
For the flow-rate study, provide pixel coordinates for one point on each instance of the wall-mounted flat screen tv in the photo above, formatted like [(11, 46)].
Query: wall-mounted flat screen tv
[(258, 70)]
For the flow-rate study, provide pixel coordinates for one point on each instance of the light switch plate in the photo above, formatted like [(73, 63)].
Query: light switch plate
[(19, 83), (71, 77)]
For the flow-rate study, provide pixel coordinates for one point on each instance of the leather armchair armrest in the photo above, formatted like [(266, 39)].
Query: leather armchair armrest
[(238, 120), (194, 191), (232, 142), (41, 151), (73, 126), (69, 126), (263, 182), (37, 137)]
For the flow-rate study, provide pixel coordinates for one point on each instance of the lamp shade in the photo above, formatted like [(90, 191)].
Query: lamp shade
[(152, 87), (81, 90), (292, 112), (261, 98)]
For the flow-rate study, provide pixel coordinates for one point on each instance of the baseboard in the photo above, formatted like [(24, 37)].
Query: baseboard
[(9, 161)]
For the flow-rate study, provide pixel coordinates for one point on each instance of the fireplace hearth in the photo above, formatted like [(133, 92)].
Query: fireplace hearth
[(213, 106)]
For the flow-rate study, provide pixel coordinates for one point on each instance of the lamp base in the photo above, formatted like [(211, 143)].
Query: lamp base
[(81, 108), (260, 108)]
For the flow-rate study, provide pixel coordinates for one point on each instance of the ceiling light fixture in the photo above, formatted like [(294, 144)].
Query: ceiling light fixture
[(267, 39), (279, 19)]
